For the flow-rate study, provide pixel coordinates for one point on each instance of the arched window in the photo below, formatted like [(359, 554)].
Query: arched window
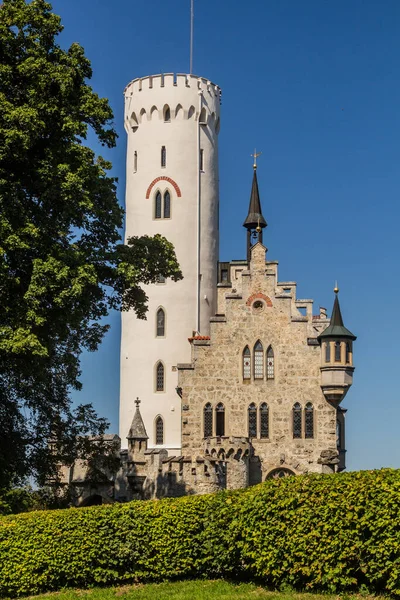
[(258, 361), (297, 420), (160, 323), (252, 420), (338, 435), (337, 352), (327, 352), (167, 205), (167, 114), (270, 363), (208, 420), (309, 421), (157, 206), (348, 353), (246, 363), (163, 156), (203, 116), (160, 377), (220, 420), (264, 421), (159, 430)]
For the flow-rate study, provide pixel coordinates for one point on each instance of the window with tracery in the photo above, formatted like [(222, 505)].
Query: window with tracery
[(252, 420), (163, 156), (160, 323), (337, 352), (309, 421), (159, 430), (167, 205), (220, 420), (270, 363), (327, 352), (258, 361), (246, 363), (297, 420), (208, 420), (157, 206), (264, 421), (160, 377)]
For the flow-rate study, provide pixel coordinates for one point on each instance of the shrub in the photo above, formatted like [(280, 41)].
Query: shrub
[(319, 532)]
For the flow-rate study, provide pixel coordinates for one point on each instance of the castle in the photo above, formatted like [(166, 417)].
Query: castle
[(231, 379)]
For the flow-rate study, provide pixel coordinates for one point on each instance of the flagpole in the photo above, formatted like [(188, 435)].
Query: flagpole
[(191, 35)]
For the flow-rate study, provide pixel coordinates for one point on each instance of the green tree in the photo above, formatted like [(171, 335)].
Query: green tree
[(62, 263)]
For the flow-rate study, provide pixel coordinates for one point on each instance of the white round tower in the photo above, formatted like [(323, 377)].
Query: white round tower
[(172, 122)]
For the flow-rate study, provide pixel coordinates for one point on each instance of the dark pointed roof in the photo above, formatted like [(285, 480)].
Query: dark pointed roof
[(137, 430), (336, 328), (255, 217)]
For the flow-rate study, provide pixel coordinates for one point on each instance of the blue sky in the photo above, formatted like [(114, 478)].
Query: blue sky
[(315, 86)]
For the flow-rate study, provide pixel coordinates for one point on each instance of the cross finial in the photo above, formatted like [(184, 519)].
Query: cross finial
[(137, 402), (255, 155)]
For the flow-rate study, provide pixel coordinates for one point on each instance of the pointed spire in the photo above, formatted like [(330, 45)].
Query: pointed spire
[(137, 430), (336, 327), (255, 217)]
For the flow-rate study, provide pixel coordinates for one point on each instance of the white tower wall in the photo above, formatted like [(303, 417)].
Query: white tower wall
[(194, 105)]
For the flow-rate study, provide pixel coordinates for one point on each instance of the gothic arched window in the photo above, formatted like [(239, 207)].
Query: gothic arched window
[(309, 421), (327, 352), (258, 361), (297, 420), (270, 363), (252, 420), (337, 352), (157, 206), (246, 363), (167, 205), (167, 114), (160, 377), (160, 322), (348, 352), (264, 420), (220, 420), (159, 430), (163, 156), (208, 420)]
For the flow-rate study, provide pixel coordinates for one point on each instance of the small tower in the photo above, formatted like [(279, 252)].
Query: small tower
[(137, 436), (255, 221), (336, 357)]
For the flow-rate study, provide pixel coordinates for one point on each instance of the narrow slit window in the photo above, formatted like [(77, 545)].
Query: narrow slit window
[(201, 160), (159, 431), (160, 323), (297, 421), (270, 363), (348, 353), (208, 420), (246, 363), (157, 206), (264, 421), (135, 162), (160, 377), (338, 435), (337, 352), (327, 352), (258, 361), (163, 156), (220, 420), (309, 421), (167, 205), (252, 420)]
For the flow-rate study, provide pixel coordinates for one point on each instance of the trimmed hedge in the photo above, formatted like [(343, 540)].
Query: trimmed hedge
[(316, 532)]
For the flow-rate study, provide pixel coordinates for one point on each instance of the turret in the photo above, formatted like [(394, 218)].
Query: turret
[(254, 221), (137, 436), (336, 357)]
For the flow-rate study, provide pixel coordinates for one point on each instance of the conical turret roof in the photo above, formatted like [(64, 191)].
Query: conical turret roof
[(255, 217), (336, 328), (137, 430)]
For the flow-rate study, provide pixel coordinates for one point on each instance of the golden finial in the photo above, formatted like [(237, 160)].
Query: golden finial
[(255, 156), (336, 289)]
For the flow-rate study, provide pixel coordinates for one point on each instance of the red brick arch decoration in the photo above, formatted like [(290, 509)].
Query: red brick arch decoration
[(171, 181), (259, 296)]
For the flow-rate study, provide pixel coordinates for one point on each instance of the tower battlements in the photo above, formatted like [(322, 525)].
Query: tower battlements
[(174, 80)]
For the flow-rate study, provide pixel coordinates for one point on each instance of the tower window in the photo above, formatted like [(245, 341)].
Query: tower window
[(201, 160), (246, 363), (270, 363), (337, 352), (159, 430), (208, 420), (160, 377), (309, 421), (203, 116), (163, 156), (135, 162), (348, 352), (264, 421), (162, 205), (167, 205), (160, 323), (220, 420), (258, 361), (297, 421), (157, 206), (252, 420), (167, 115), (327, 352)]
